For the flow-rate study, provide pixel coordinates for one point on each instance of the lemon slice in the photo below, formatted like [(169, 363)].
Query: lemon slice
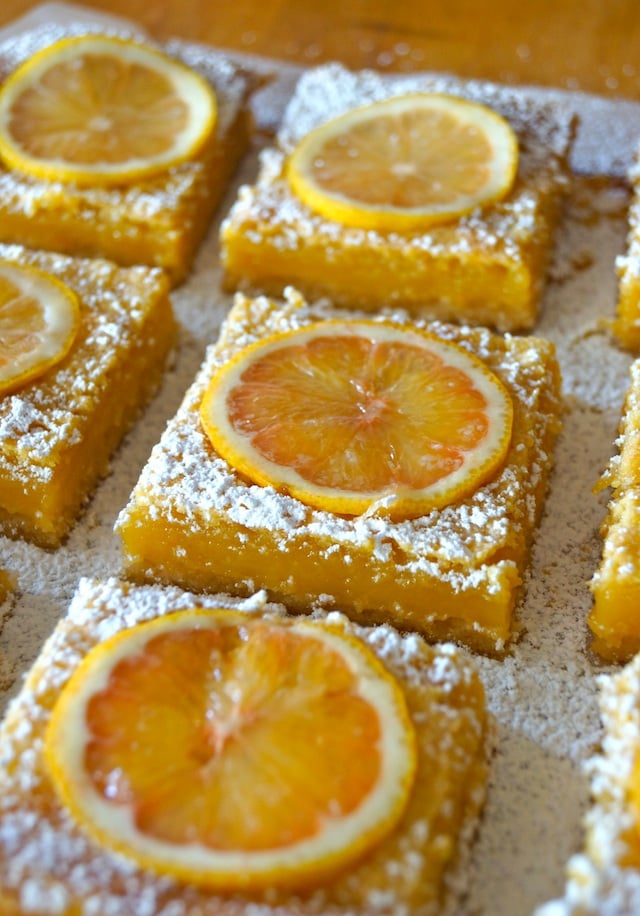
[(360, 416), (231, 751), (102, 111), (405, 163), (39, 319)]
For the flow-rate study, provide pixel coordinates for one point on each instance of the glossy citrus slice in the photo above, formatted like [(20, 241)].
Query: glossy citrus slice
[(405, 163), (232, 751), (102, 111), (39, 318), (360, 416)]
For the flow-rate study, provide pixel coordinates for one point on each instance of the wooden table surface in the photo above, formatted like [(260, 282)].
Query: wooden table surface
[(577, 44)]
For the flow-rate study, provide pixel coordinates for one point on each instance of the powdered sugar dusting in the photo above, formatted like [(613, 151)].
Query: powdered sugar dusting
[(329, 91), (600, 881), (544, 694)]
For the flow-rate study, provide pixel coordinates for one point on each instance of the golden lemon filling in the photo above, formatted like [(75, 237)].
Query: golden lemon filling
[(7, 584), (615, 585), (626, 324)]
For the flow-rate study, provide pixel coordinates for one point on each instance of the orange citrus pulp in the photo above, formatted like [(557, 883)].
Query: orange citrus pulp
[(233, 751), (103, 111), (360, 416), (39, 319), (405, 163)]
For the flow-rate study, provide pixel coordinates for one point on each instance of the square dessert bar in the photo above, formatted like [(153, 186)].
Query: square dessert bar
[(453, 573), (57, 433), (626, 326), (159, 221), (604, 878), (485, 268), (47, 865), (615, 616)]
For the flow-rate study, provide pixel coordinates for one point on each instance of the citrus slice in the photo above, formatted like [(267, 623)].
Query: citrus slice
[(233, 751), (39, 319), (360, 417), (405, 163), (102, 111)]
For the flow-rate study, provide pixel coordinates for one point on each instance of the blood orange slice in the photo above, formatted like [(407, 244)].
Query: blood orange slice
[(231, 751), (360, 416)]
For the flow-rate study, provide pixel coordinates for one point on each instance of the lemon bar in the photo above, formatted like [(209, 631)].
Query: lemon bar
[(453, 573), (627, 321), (58, 432), (158, 221), (614, 619), (47, 865), (487, 267), (605, 876)]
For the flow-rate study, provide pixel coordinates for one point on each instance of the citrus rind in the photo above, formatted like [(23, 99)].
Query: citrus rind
[(344, 839), (351, 207), (192, 92), (394, 500), (27, 289)]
